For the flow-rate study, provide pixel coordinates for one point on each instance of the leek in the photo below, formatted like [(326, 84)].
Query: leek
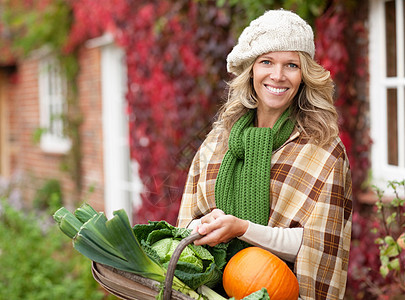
[(210, 294), (112, 242), (85, 212), (68, 223)]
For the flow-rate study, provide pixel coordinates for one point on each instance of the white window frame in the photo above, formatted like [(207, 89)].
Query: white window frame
[(52, 96), (382, 172), (122, 184)]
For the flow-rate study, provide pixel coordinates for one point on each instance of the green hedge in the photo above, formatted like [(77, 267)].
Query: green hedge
[(38, 262)]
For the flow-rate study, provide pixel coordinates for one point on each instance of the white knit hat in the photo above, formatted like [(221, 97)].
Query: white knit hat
[(275, 30)]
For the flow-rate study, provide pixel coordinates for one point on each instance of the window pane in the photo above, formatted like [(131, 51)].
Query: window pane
[(391, 39), (392, 127)]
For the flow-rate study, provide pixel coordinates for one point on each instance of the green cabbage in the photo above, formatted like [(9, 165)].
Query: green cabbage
[(197, 265), (258, 295)]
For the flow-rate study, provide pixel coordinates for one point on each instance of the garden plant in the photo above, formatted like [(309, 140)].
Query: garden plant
[(36, 261), (377, 257)]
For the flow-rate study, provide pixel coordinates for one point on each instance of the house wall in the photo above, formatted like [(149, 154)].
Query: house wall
[(37, 166), (4, 144), (91, 130)]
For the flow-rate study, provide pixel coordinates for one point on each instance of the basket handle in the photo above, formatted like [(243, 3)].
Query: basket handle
[(173, 262)]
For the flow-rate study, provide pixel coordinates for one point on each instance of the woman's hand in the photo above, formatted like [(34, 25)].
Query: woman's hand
[(217, 227)]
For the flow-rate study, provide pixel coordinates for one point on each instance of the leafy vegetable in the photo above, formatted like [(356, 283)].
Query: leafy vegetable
[(112, 242), (165, 248), (259, 295), (197, 265)]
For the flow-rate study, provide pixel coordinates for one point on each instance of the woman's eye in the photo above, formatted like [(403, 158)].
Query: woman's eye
[(266, 62), (291, 65)]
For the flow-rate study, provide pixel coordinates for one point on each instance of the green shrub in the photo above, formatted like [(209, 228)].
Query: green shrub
[(49, 196), (40, 263), (376, 264)]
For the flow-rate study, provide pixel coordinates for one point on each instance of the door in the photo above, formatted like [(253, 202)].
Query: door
[(121, 183)]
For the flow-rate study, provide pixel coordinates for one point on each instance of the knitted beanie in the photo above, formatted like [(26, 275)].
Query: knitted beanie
[(275, 30)]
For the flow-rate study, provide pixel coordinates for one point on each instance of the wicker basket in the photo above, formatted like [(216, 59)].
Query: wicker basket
[(126, 285)]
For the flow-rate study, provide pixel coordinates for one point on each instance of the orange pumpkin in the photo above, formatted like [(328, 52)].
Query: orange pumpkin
[(253, 268)]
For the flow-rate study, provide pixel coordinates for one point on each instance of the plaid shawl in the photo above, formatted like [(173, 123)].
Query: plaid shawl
[(311, 188)]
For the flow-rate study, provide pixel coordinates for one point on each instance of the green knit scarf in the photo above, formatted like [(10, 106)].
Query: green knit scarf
[(242, 187)]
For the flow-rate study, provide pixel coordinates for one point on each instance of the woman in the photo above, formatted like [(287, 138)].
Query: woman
[(273, 171)]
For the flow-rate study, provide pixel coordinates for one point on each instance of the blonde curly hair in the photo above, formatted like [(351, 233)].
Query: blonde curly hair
[(312, 108)]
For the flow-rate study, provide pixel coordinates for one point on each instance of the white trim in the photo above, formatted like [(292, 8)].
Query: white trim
[(50, 142), (379, 83), (392, 82), (104, 40), (122, 185), (401, 74), (401, 128), (399, 15), (377, 67), (40, 53)]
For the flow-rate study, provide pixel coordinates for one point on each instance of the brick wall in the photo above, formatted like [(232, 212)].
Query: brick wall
[(91, 131), (28, 158)]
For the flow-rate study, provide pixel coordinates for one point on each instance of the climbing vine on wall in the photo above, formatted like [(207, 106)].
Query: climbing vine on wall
[(175, 57), (176, 54), (344, 53), (175, 75), (34, 24), (176, 71), (176, 66)]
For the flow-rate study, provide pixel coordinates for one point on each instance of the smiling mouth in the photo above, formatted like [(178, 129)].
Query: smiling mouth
[(276, 90)]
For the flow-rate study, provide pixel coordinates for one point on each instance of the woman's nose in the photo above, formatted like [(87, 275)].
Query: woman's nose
[(277, 73)]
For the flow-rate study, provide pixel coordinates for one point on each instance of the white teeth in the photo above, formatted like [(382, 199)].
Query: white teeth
[(275, 90)]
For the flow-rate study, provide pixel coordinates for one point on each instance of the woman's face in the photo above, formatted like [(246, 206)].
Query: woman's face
[(276, 80)]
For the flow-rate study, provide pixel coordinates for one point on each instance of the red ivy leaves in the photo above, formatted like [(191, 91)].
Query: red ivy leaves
[(175, 54), (90, 19), (341, 52), (167, 100), (170, 96), (330, 41)]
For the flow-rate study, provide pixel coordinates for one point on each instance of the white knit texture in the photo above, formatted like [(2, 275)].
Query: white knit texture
[(275, 30), (283, 242)]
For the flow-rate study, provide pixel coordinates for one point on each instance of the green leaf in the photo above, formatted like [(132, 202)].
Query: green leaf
[(390, 251), (258, 295), (397, 202), (60, 213), (389, 240), (210, 277), (391, 218), (379, 206), (197, 265), (85, 212), (122, 237), (384, 260), (95, 231), (67, 222), (221, 3), (384, 271), (162, 249), (379, 241), (201, 252), (209, 293), (95, 253), (394, 264)]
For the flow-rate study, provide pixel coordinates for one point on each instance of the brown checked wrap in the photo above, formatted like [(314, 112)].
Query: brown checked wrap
[(310, 187)]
